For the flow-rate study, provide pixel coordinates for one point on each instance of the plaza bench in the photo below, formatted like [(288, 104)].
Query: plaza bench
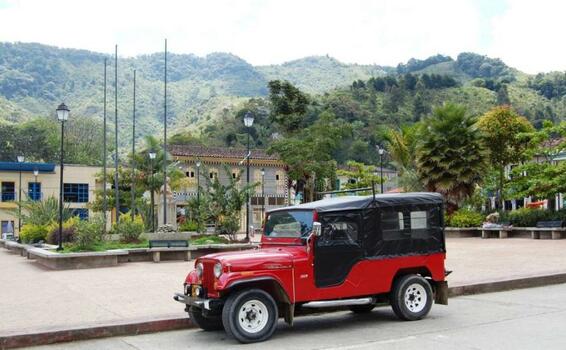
[(168, 243), (549, 230), (169, 247), (496, 232), (550, 224)]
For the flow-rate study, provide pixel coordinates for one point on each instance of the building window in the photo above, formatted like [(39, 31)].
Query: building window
[(34, 191), (8, 191), (75, 193), (190, 173), (213, 174), (276, 201), (276, 177), (81, 213)]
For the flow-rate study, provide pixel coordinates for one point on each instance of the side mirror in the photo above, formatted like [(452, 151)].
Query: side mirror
[(316, 228)]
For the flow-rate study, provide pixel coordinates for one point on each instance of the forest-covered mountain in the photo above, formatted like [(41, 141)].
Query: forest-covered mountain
[(35, 78)]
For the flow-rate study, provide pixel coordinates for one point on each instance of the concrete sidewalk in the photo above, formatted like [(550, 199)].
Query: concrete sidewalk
[(33, 299)]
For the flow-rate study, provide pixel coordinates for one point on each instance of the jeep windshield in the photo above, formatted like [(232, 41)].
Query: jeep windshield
[(289, 224)]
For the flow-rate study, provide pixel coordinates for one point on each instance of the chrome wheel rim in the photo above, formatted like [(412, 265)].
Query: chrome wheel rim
[(415, 298), (253, 316)]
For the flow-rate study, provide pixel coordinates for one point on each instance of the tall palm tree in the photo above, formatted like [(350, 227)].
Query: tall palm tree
[(450, 157), (401, 145)]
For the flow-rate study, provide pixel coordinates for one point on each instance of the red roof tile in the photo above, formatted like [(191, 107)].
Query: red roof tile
[(219, 152)]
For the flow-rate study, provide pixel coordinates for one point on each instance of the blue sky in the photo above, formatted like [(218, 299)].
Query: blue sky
[(525, 34)]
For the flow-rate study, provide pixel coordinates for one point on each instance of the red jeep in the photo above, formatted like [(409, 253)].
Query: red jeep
[(354, 252)]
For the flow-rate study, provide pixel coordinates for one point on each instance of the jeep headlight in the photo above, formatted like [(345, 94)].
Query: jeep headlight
[(200, 268), (217, 270)]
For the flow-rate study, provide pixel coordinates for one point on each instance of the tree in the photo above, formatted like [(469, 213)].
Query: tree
[(401, 147), (362, 173), (543, 177), (311, 152), (288, 105), (222, 203), (450, 156), (504, 136)]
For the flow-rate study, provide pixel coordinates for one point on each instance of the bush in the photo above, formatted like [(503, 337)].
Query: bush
[(68, 234), (129, 229), (465, 218), (527, 217), (228, 225), (190, 226), (89, 233), (31, 233), (209, 240)]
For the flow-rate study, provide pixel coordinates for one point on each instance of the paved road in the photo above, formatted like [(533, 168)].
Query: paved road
[(100, 296), (522, 319)]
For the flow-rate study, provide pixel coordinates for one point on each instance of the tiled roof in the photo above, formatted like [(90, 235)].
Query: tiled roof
[(219, 152)]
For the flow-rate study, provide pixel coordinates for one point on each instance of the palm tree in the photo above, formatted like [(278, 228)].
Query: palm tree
[(450, 157), (401, 145)]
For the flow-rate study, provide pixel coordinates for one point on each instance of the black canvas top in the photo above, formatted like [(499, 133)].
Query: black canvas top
[(362, 202)]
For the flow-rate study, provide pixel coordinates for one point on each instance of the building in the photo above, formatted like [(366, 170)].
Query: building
[(268, 170), (40, 181), (390, 177)]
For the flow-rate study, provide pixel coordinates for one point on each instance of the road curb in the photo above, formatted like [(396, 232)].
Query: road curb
[(133, 328), (93, 332), (500, 286)]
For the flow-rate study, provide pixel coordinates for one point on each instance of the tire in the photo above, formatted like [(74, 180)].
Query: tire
[(362, 309), (205, 323), (250, 316), (411, 297)]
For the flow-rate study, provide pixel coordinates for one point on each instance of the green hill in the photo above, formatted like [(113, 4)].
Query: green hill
[(35, 78)]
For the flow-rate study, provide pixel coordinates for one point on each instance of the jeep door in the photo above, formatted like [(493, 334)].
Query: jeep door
[(338, 248)]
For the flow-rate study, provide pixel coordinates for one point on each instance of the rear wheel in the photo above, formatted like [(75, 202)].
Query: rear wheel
[(411, 297), (250, 316), (205, 323), (362, 309)]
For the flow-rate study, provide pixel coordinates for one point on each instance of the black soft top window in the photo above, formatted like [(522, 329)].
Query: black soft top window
[(292, 223)]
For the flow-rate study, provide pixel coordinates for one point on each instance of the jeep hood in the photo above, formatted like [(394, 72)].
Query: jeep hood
[(254, 259)]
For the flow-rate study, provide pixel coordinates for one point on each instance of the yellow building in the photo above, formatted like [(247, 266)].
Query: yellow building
[(40, 181), (267, 170)]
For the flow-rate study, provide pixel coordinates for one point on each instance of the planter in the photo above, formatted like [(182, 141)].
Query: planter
[(87, 260), (464, 232)]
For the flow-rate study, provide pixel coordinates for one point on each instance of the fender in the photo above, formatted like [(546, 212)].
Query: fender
[(281, 294)]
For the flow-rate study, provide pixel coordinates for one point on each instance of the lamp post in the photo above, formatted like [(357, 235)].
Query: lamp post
[(198, 191), (152, 156), (37, 196), (248, 122), (20, 161), (373, 183), (381, 151), (62, 115), (262, 193)]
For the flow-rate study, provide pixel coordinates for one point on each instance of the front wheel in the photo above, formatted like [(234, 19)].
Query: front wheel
[(205, 323), (250, 316), (411, 297)]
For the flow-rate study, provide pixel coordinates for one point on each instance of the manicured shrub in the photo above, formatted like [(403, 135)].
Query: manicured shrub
[(31, 233), (527, 217), (89, 233), (189, 226), (129, 229), (68, 234), (465, 218)]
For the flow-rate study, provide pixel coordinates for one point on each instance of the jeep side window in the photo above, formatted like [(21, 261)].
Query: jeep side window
[(414, 223), (339, 230)]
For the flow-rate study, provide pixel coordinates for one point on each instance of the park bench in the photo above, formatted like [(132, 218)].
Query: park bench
[(496, 232), (548, 229), (168, 243), (169, 246)]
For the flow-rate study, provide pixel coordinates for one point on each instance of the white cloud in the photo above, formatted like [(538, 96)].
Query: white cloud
[(530, 35), (274, 31)]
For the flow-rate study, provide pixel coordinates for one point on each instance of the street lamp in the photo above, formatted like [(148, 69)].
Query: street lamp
[(373, 182), (198, 191), (62, 115), (381, 151), (20, 161), (36, 196), (152, 156), (262, 193), (248, 122)]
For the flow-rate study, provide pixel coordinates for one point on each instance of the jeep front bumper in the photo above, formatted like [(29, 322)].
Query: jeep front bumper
[(211, 305)]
